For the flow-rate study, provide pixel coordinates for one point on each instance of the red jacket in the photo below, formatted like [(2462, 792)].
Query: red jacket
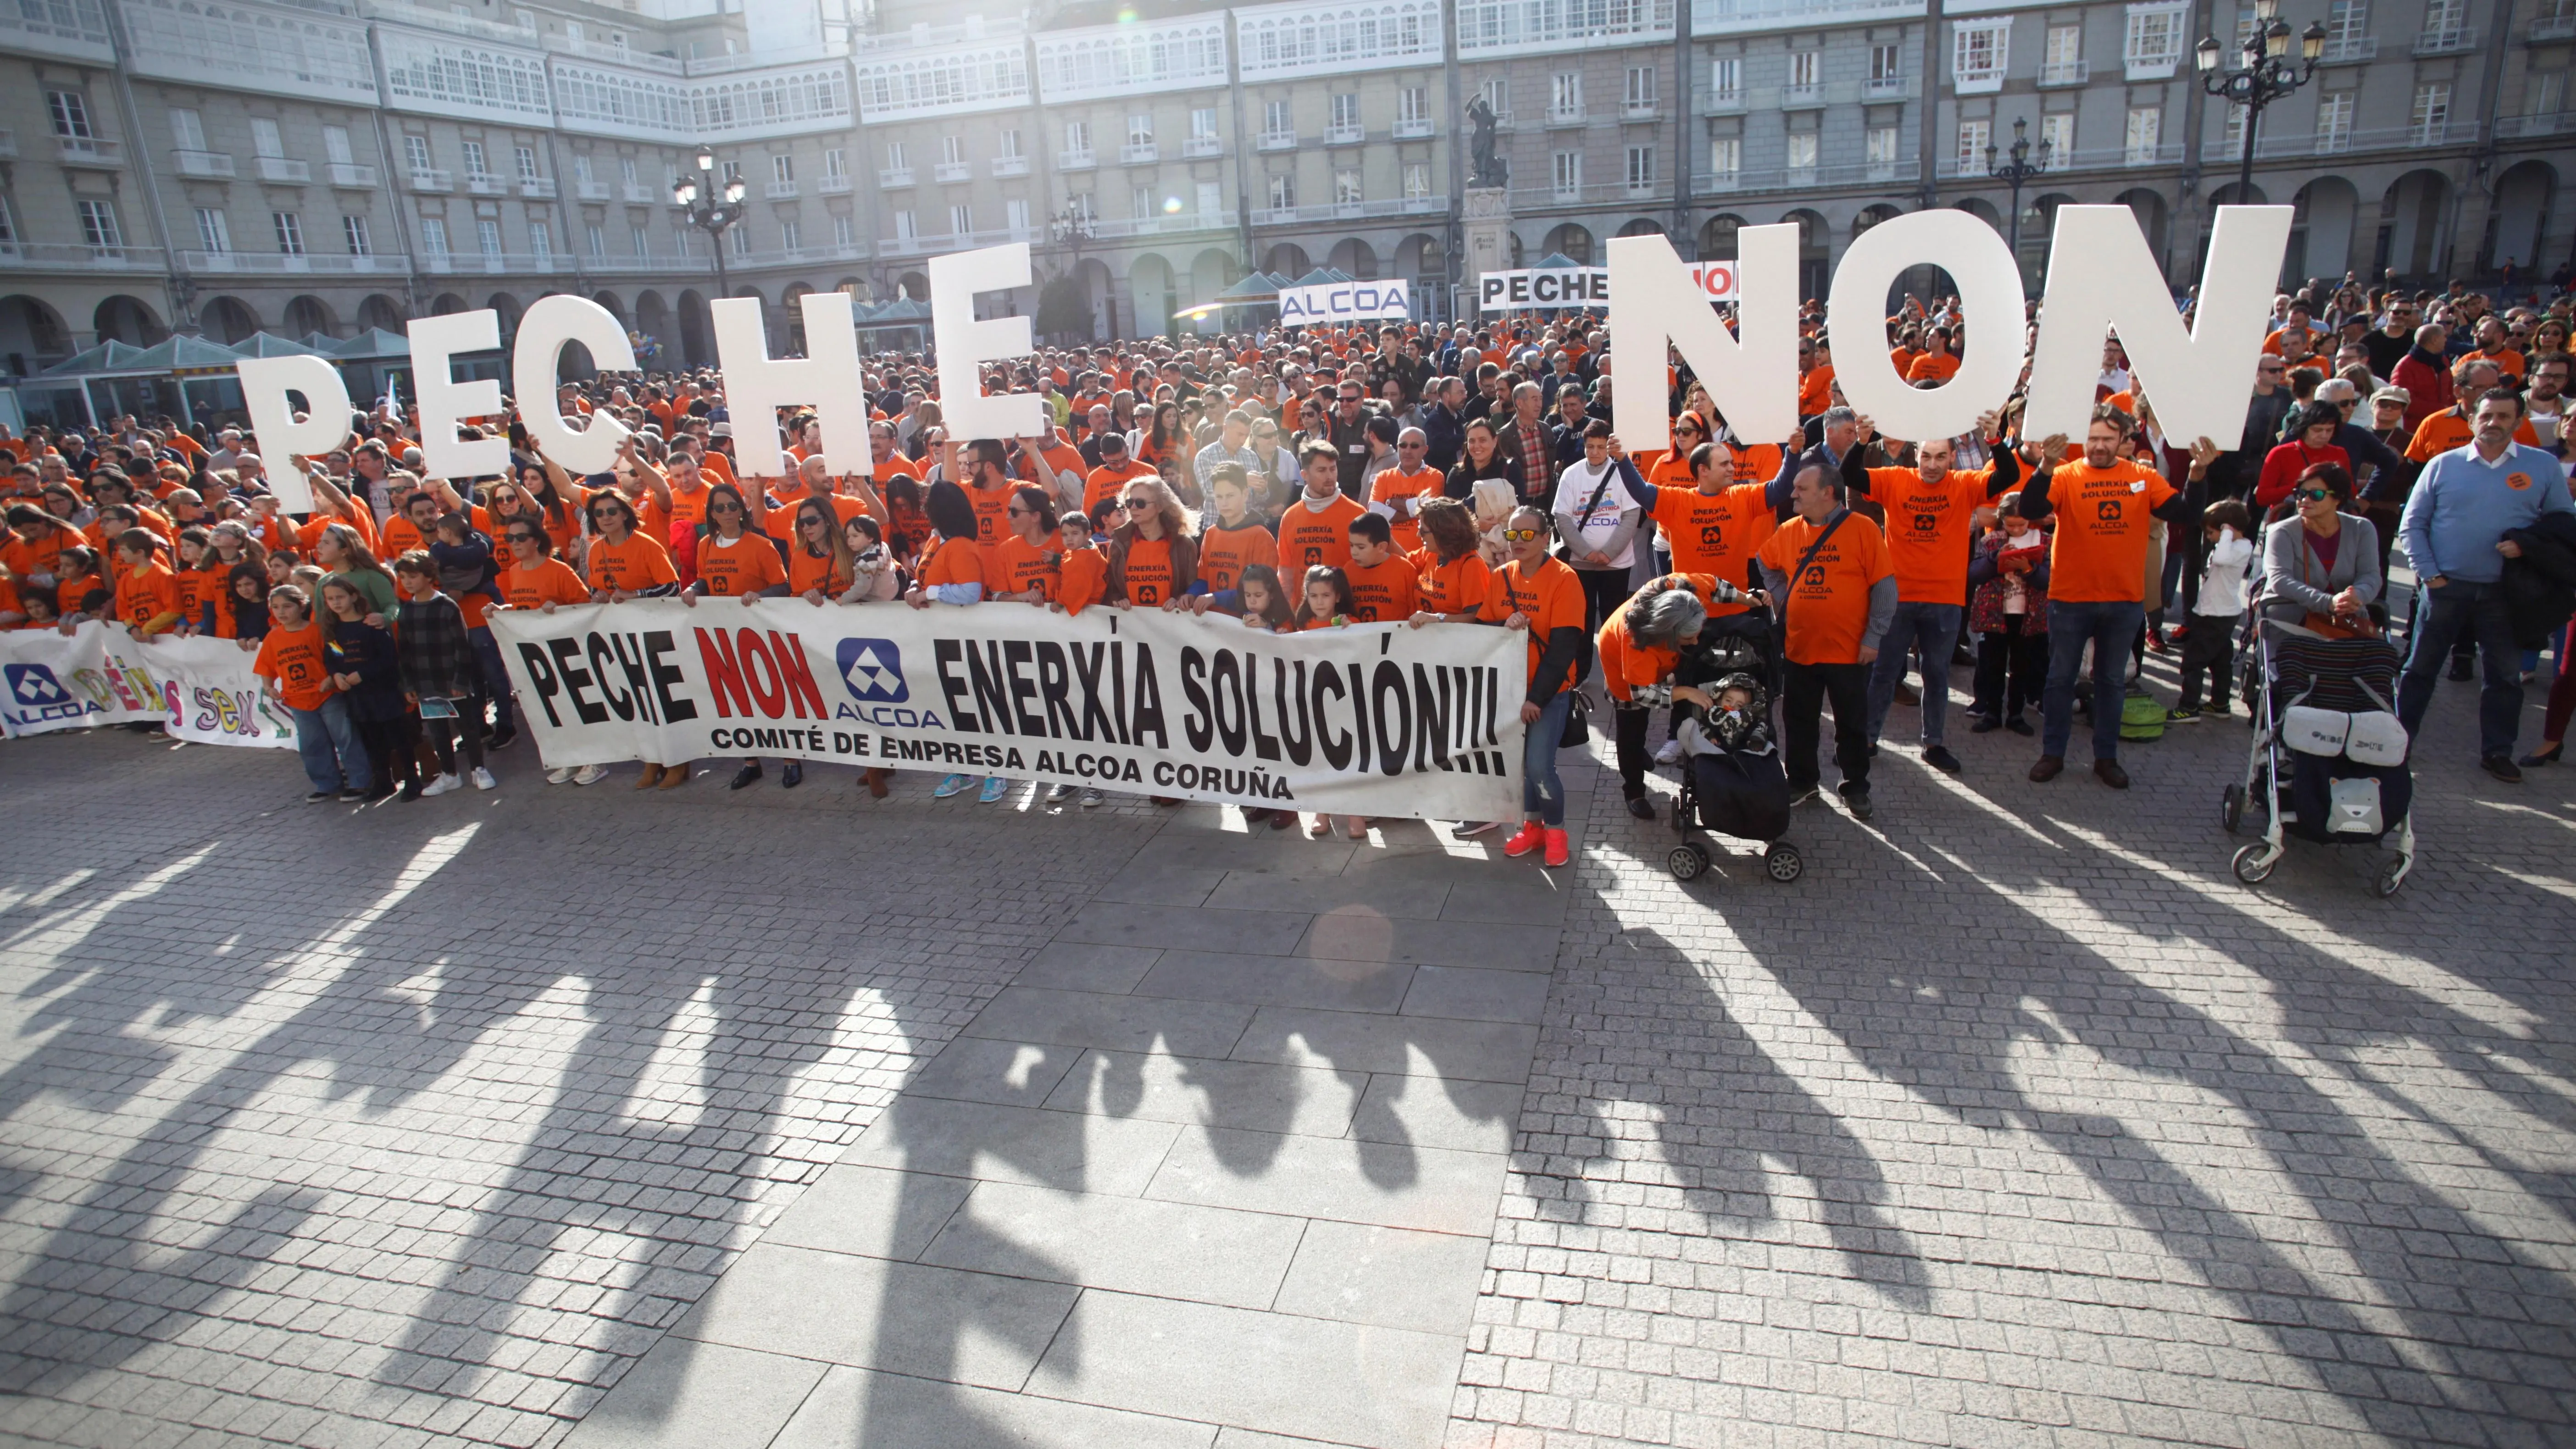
[(2427, 384), (2283, 465)]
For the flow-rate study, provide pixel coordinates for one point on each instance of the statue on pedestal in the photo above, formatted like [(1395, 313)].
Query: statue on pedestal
[(1487, 168)]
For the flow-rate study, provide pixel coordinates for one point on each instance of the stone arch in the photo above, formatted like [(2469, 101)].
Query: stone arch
[(1815, 252), (2320, 231), (1155, 293), (1641, 226), (1573, 239), (446, 304), (1718, 237), (2036, 225), (1873, 214), (1211, 272), (32, 334), (1356, 257), (1287, 260), (914, 285), (1983, 210), (228, 319), (308, 314), (125, 319), (382, 311), (2155, 221), (510, 309), (2228, 195), (2411, 232), (697, 338), (2519, 221), (1420, 256), (791, 318), (653, 320), (614, 307)]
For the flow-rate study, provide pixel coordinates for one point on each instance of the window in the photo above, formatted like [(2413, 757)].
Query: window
[(1140, 130), (1568, 172), (1007, 144), (8, 225), (782, 170), (961, 218), (1880, 150), (2057, 133), (1641, 168), (416, 152), (1346, 186), (265, 139), (1277, 120), (790, 239), (433, 239), (1978, 53), (1640, 94), (213, 234), (335, 145), (1141, 203), (1565, 95), (1413, 106), (487, 237), (1211, 199), (474, 159), (2444, 18), (1803, 67), (2334, 122), (1203, 123), (1802, 150), (2064, 47), (952, 150), (894, 156), (2431, 116), (527, 158), (1077, 138), (1725, 157), (845, 232), (2347, 21), (1883, 64), (1498, 95), (640, 240), (596, 238), (1726, 78), (836, 164), (905, 229), (739, 238), (1346, 112), (1283, 192), (1015, 215), (188, 130), (2546, 95), (353, 230), (2146, 127), (2151, 48), (70, 113), (626, 170), (1973, 138), (541, 242), (1417, 180), (98, 225)]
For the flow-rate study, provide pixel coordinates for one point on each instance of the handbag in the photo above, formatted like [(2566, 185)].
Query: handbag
[(1578, 722), (2327, 625), (1565, 546)]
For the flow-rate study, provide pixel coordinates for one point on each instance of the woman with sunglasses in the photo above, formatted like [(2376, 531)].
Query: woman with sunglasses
[(738, 561), (1022, 567), (820, 564), (2321, 563), (1537, 594)]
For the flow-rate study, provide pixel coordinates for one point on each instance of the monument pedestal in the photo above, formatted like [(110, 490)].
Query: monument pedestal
[(1488, 226)]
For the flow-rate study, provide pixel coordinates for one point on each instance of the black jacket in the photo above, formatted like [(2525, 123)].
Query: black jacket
[(2540, 587)]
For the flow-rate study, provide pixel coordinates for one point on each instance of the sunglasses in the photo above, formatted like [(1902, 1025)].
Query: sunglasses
[(724, 508), (521, 537), (2312, 495), (1519, 535)]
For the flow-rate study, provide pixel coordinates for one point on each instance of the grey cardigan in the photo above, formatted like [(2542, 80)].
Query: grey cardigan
[(2295, 585)]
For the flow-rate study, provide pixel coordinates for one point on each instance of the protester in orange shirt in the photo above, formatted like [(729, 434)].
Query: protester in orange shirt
[(1152, 559), (1830, 579), (1452, 578), (291, 662), (1815, 376), (1103, 482), (1401, 489), (1383, 584), (2450, 429), (1082, 571), (147, 593), (1936, 364), (1537, 593), (535, 578), (1023, 569), (1716, 525), (623, 563), (1232, 537), (1316, 528), (737, 561), (2097, 563)]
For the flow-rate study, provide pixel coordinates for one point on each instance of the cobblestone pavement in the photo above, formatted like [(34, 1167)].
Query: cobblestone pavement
[(2017, 1121)]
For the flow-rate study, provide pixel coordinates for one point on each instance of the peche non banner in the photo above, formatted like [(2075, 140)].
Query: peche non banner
[(2102, 279)]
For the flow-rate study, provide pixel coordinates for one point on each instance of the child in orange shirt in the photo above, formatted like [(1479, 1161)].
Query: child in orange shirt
[(1328, 605)]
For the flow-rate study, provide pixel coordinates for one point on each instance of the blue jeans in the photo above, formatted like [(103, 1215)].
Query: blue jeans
[(1542, 793), (327, 738), (1934, 630), (496, 680), (2441, 617), (2112, 628)]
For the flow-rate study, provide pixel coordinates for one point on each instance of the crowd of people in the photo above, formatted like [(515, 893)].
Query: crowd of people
[(1450, 475)]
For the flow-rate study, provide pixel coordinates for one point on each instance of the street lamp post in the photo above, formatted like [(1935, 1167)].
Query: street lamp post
[(710, 208), (2268, 74), (2017, 173)]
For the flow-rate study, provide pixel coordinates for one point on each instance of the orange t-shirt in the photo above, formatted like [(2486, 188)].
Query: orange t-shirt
[(146, 594), (548, 581), (1082, 579), (686, 508), (1456, 587), (1829, 601), (1308, 537), (633, 566), (1395, 483), (2103, 518), (23, 558), (1384, 593), (952, 561), (1927, 529), (895, 467), (1933, 367), (291, 660), (1716, 533), (806, 573), (991, 526), (1816, 390), (1019, 566), (399, 537), (1549, 595), (1149, 573), (2446, 430), (741, 568), (1224, 553), (781, 521), (197, 588), (1103, 483), (68, 593)]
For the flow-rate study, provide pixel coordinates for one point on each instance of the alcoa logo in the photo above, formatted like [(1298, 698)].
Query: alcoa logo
[(873, 670), (34, 686)]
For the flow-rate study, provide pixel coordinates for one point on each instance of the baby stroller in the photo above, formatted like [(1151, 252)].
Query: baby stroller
[(2329, 757), (1732, 780)]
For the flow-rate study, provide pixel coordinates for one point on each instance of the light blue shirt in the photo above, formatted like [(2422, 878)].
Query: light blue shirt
[(2463, 506)]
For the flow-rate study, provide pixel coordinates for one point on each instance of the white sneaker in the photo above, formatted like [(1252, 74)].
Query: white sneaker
[(559, 777), (1091, 796), (442, 785), (483, 778), (1059, 793), (591, 775), (1671, 751)]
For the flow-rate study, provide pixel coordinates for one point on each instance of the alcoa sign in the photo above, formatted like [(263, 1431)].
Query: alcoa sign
[(1329, 302), (2101, 277)]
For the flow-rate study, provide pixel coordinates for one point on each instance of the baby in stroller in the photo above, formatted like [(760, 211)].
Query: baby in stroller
[(1733, 782)]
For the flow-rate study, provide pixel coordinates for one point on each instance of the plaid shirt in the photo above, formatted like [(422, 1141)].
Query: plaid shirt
[(437, 659)]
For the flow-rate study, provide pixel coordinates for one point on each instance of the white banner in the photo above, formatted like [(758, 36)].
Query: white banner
[(1329, 302), (1527, 288), (200, 689), (1375, 719)]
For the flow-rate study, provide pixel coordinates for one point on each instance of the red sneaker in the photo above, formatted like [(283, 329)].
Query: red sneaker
[(1528, 838), (1559, 850)]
